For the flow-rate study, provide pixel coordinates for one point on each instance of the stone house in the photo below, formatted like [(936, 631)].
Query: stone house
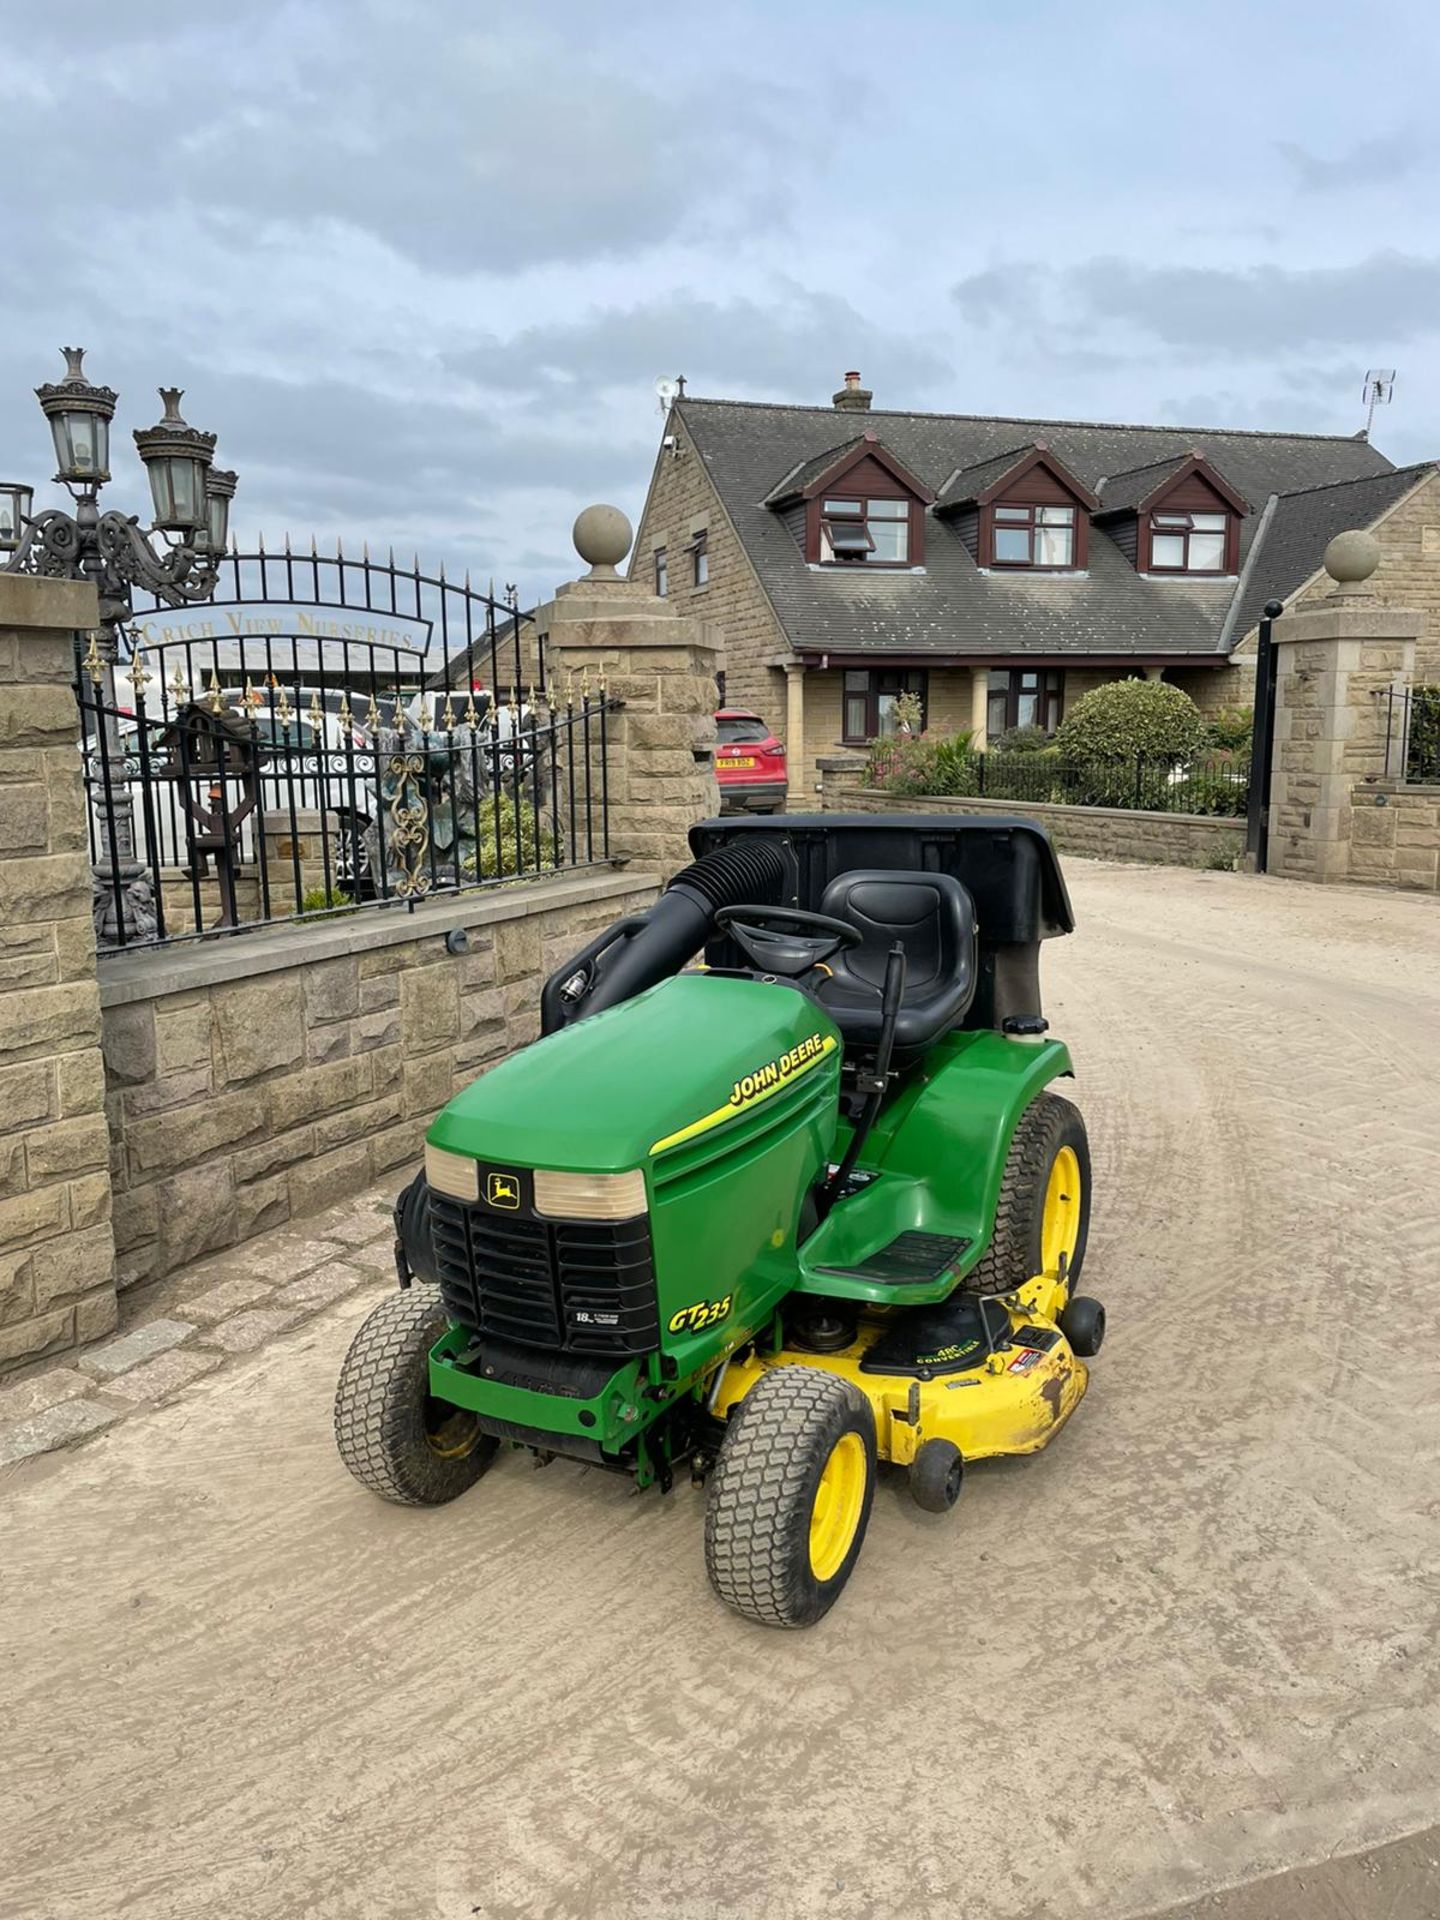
[(997, 568)]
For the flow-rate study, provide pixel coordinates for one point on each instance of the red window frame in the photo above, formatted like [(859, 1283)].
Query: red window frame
[(1181, 526), (1015, 523), (1047, 689)]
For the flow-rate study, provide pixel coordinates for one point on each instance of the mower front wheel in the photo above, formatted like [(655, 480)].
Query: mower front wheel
[(790, 1497), (393, 1435), (1042, 1218)]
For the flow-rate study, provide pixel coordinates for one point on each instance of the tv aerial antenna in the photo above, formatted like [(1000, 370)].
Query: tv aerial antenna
[(1379, 392)]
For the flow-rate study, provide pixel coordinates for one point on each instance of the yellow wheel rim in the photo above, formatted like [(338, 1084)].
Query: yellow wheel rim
[(450, 1432), (1060, 1222), (839, 1502)]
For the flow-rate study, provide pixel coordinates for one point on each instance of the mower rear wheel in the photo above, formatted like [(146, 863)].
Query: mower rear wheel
[(1043, 1213), (393, 1435), (790, 1497)]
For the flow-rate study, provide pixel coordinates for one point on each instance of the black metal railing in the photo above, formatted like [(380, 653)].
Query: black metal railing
[(1410, 719), (1216, 784), (223, 801)]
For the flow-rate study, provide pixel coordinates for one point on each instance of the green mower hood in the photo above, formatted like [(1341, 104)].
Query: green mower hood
[(621, 1088)]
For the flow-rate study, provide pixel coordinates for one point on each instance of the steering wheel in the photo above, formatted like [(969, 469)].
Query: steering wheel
[(785, 941)]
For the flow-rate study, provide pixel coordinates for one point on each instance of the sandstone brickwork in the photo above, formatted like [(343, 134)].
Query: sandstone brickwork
[(57, 1255), (1395, 836), (242, 1096)]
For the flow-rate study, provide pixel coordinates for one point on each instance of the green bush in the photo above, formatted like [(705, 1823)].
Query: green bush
[(1423, 760), (1207, 793), (911, 766), (1126, 719), (1022, 740), (326, 900), (519, 846), (1230, 730), (1033, 774)]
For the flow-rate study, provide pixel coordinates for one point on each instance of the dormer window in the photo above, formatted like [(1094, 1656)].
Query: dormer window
[(1188, 542), (856, 532), (1033, 536), (854, 506)]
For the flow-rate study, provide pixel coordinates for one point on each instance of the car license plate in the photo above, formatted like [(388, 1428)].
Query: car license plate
[(744, 760)]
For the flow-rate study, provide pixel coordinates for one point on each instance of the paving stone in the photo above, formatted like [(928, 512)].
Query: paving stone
[(332, 1282), (208, 1308), (56, 1427), (158, 1379), (285, 1259), (244, 1332), (135, 1347), (45, 1390), (379, 1254)]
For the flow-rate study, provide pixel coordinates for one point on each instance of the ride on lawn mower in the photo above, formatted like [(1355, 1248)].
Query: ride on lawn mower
[(766, 1219)]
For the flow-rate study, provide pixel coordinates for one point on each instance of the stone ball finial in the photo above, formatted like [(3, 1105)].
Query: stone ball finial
[(602, 536), (1352, 557)]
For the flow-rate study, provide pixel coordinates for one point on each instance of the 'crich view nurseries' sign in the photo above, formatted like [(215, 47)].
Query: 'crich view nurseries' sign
[(307, 627)]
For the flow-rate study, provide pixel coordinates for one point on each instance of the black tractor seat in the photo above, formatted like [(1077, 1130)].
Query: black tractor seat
[(933, 918)]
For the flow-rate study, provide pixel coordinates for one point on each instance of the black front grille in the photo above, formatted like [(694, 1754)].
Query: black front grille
[(567, 1286)]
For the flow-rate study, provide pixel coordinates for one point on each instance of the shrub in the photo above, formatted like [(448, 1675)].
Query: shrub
[(1022, 740), (1423, 759), (1129, 718), (911, 766), (326, 900), (1230, 730), (1207, 793), (1026, 775), (520, 846)]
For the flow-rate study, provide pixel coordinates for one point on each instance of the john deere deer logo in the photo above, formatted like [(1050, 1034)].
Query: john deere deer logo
[(502, 1190)]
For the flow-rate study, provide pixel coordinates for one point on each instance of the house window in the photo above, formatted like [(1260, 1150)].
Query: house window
[(1188, 542), (700, 559), (1034, 536), (856, 531), (1023, 697), (662, 572), (870, 695)]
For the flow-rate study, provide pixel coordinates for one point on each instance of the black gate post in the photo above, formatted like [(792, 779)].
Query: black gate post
[(1262, 743)]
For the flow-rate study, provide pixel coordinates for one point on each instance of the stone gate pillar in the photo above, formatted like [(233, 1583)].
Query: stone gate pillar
[(57, 1252), (661, 664), (1334, 663)]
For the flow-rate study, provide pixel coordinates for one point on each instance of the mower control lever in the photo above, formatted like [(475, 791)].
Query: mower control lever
[(784, 940)]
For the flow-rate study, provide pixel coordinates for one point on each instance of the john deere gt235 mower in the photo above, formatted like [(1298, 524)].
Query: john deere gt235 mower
[(766, 1219)]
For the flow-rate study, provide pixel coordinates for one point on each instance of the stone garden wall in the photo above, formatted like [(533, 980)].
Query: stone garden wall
[(257, 1081), (1103, 833), (1395, 836)]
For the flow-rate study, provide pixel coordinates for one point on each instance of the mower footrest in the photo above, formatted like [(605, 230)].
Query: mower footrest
[(910, 1258)]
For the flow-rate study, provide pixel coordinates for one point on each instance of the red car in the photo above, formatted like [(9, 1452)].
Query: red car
[(749, 761)]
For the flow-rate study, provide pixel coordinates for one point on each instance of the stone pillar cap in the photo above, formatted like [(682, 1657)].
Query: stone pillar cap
[(602, 537)]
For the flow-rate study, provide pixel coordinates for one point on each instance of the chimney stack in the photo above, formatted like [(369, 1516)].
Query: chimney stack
[(852, 397)]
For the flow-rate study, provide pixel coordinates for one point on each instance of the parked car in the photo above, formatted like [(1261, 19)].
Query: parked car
[(749, 762)]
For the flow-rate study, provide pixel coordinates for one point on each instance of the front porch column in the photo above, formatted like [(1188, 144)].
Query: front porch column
[(979, 707), (796, 758), (1154, 673)]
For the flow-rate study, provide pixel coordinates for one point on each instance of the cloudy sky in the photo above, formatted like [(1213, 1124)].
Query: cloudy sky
[(419, 262)]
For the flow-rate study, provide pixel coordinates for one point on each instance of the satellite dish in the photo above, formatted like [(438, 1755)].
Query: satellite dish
[(666, 389)]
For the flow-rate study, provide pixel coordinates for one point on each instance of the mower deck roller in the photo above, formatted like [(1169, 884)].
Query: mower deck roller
[(782, 1193)]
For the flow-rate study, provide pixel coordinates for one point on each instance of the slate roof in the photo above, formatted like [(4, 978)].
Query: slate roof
[(1303, 524), (1123, 492), (799, 477), (951, 608), (968, 483)]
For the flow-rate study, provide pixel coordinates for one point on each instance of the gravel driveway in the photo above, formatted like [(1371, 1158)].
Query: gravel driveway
[(1192, 1644)]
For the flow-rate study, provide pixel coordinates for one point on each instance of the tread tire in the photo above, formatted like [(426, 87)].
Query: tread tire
[(1013, 1255), (757, 1518), (381, 1402)]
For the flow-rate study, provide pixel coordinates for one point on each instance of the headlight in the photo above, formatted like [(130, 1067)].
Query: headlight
[(590, 1196), (454, 1174)]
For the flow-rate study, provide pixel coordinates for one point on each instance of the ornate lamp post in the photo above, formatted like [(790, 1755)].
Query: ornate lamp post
[(192, 506)]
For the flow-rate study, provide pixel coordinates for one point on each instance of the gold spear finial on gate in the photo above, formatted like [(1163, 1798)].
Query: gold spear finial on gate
[(94, 665), (372, 718), (177, 685), (346, 715), (217, 693), (252, 695), (283, 711), (471, 715), (447, 718), (426, 715), (138, 677)]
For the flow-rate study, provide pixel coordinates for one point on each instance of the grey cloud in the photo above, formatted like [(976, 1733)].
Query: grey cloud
[(1246, 311), (798, 344), (473, 139), (1370, 163)]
